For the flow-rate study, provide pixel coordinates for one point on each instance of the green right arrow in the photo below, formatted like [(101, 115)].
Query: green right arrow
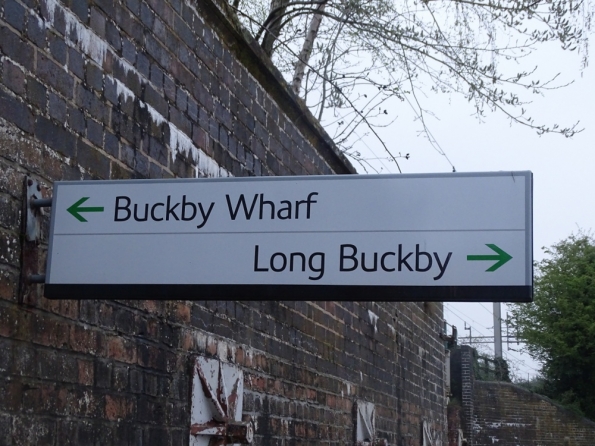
[(500, 259), (76, 209)]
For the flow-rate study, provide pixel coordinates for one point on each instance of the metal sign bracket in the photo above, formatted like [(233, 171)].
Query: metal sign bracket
[(217, 397), (32, 214)]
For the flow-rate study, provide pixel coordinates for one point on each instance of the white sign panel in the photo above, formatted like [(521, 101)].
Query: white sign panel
[(382, 237)]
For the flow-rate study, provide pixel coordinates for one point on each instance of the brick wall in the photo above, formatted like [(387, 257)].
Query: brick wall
[(509, 415), (108, 89), (491, 412)]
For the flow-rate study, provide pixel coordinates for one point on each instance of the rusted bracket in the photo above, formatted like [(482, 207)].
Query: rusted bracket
[(33, 201), (209, 393), (217, 396), (231, 432), (33, 204), (365, 425), (376, 442)]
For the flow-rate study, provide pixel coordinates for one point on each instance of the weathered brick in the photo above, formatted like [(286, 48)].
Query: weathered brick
[(157, 51), (169, 88), (113, 37), (147, 16), (36, 93), (184, 31), (129, 51), (28, 430), (156, 100), (55, 76), (13, 77), (36, 30), (98, 22), (94, 76), (57, 107), (81, 9), (76, 121), (58, 48), (143, 64), (95, 132), (50, 332), (157, 75), (118, 408), (111, 144), (92, 160), (133, 6), (117, 352), (107, 6), (178, 119), (14, 13), (76, 63), (55, 136), (15, 111), (93, 105)]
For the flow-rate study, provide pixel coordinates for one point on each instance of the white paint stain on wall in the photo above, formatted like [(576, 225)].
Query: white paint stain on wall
[(124, 91), (94, 47), (373, 320), (77, 33)]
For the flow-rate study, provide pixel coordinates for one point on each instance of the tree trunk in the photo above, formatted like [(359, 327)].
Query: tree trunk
[(273, 25), (306, 52)]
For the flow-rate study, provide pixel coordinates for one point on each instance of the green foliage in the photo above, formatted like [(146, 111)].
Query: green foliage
[(559, 326), (534, 384), (488, 368)]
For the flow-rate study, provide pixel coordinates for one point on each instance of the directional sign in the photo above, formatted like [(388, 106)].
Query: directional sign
[(443, 237), (76, 209), (501, 258)]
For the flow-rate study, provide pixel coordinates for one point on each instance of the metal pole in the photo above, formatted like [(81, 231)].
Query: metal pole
[(497, 331), (37, 203)]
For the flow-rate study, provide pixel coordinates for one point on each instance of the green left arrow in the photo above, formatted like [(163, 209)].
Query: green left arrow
[(76, 209), (501, 258)]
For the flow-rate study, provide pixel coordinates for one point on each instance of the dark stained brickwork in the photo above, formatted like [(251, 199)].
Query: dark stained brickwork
[(491, 412), (508, 415), (119, 89)]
